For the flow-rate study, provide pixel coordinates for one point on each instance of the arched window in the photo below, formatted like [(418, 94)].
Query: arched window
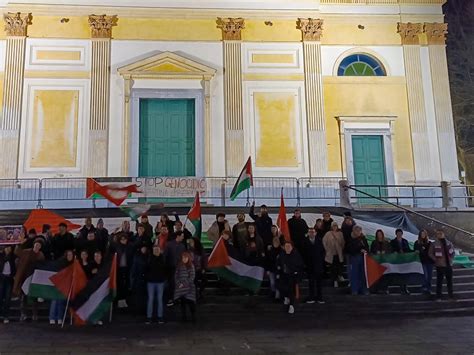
[(360, 64)]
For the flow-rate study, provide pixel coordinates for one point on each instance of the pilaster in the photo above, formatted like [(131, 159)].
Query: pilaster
[(436, 36), (311, 30), (233, 109), (101, 33), (16, 25)]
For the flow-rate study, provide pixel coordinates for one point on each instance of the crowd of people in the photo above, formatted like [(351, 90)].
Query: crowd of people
[(166, 264)]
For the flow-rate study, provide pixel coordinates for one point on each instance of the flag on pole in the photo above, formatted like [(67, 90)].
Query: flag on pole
[(244, 181), (95, 299), (113, 192), (282, 222), (38, 217), (397, 268), (194, 216), (71, 280), (135, 211), (233, 270)]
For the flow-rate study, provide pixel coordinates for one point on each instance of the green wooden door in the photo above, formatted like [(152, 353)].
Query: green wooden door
[(167, 137), (369, 166)]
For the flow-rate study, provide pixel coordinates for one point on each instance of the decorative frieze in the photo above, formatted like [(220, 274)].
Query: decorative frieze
[(410, 32), (101, 25), (311, 29), (436, 33), (231, 28), (16, 23)]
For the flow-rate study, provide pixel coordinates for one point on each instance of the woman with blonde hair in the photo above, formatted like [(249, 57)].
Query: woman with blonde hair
[(333, 243)]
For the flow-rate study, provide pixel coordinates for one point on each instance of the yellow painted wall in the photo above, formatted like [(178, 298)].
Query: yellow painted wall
[(281, 31), (337, 32), (345, 96), (275, 113), (51, 26), (54, 129)]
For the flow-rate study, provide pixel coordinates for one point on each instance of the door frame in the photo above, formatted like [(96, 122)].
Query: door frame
[(137, 94)]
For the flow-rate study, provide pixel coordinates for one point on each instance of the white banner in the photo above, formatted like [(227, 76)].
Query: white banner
[(170, 186)]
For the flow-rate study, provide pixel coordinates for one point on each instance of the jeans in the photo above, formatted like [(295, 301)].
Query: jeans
[(428, 272), (155, 289), (357, 275), (315, 281), (441, 272), (271, 277), (6, 285), (56, 310)]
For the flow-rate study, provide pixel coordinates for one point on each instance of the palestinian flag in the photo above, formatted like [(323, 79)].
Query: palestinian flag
[(282, 222), (395, 268), (194, 216), (233, 270), (135, 211), (244, 181), (95, 299), (40, 284), (38, 217), (70, 280), (115, 193)]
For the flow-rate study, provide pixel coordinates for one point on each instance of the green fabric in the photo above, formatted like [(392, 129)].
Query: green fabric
[(242, 186), (242, 281)]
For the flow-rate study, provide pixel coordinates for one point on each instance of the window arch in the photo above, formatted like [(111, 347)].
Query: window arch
[(360, 64)]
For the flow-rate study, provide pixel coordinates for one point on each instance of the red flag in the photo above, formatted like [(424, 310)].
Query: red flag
[(70, 280), (112, 192), (282, 222), (373, 270), (219, 256), (37, 218)]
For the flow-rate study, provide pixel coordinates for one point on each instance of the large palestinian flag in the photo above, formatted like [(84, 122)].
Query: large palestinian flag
[(40, 283), (244, 181), (233, 270), (395, 268), (115, 193), (95, 299)]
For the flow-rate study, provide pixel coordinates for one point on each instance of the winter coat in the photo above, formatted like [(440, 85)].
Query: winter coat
[(148, 230), (184, 283), (380, 247), (405, 247), (290, 264), (263, 225), (156, 269), (84, 231), (199, 260), (102, 238), (271, 258), (215, 230), (173, 253), (138, 270), (240, 234), (27, 260), (123, 251), (438, 254), (334, 246), (326, 227), (61, 243), (423, 247), (346, 230), (356, 245), (10, 259), (314, 256), (298, 229)]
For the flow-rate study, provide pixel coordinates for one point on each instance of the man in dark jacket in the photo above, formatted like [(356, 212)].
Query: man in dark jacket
[(7, 274), (178, 228), (240, 232), (356, 249), (298, 230), (102, 236), (289, 267), (314, 260), (400, 245), (61, 242), (146, 225), (88, 227), (125, 251), (263, 222), (327, 222)]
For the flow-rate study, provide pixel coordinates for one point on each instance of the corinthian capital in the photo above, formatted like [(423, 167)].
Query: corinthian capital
[(410, 32), (436, 32), (16, 24), (311, 29), (231, 28), (101, 25)]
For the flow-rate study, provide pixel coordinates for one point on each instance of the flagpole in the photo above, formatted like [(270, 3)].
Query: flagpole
[(112, 303), (69, 294)]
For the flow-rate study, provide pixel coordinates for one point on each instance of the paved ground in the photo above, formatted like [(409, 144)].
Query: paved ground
[(289, 335)]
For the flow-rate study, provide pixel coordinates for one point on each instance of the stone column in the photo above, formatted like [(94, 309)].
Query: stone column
[(206, 84), (436, 35), (409, 33), (233, 108), (16, 25), (101, 33), (311, 30)]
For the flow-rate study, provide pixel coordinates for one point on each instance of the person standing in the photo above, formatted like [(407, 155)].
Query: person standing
[(7, 275), (263, 222), (240, 232), (271, 257), (87, 228), (357, 249), (298, 230), (289, 267), (61, 242), (380, 246), (400, 245), (185, 290), (422, 246), (138, 286), (216, 229), (155, 277), (442, 253), (200, 265), (57, 307), (327, 222), (102, 236), (314, 260), (333, 242), (148, 228), (174, 249), (125, 251)]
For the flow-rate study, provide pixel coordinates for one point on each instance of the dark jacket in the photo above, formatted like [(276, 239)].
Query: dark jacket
[(271, 259), (84, 231), (61, 243), (156, 269), (11, 259), (138, 270), (83, 244), (314, 256), (298, 229), (102, 238), (123, 250), (240, 234), (405, 247), (290, 264), (148, 230), (356, 246), (423, 247), (264, 226), (346, 230), (173, 253), (326, 227), (380, 247)]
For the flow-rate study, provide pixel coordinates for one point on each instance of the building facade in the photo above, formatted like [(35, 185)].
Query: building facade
[(307, 88)]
